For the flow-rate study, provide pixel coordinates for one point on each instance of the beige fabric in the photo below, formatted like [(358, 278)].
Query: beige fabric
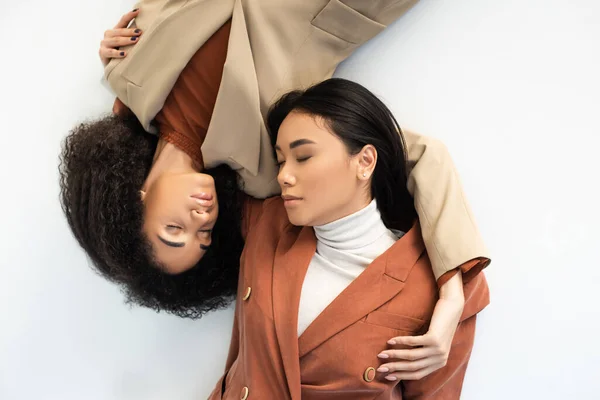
[(276, 46)]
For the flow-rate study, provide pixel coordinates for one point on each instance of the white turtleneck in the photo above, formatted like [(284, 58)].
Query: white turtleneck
[(344, 249)]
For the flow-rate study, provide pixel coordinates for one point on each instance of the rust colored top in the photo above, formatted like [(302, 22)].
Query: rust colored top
[(185, 116)]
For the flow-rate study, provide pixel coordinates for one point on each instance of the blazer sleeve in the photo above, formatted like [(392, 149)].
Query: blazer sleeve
[(445, 383), (448, 227)]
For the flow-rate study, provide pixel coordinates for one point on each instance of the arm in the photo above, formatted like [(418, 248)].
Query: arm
[(447, 382), (437, 382), (454, 246), (430, 351), (449, 231)]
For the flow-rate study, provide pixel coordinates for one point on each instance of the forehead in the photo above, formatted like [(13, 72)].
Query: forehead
[(301, 125)]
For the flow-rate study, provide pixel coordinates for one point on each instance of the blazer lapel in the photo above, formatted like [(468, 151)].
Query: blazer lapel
[(379, 283), (234, 130), (293, 255)]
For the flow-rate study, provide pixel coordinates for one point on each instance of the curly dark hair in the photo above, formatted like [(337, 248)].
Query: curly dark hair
[(103, 165)]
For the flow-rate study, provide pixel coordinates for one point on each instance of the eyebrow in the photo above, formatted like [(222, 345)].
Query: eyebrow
[(296, 143), (172, 244)]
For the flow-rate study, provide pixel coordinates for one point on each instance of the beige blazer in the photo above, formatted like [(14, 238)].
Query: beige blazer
[(276, 46)]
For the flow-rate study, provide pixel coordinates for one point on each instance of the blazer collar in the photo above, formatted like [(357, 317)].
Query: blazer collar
[(236, 123), (382, 280)]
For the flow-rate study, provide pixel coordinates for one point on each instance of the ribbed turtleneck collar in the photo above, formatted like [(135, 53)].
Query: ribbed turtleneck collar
[(354, 231)]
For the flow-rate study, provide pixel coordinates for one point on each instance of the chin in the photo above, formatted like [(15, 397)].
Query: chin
[(297, 219)]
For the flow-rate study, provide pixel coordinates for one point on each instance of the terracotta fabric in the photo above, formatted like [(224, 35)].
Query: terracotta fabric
[(394, 296)]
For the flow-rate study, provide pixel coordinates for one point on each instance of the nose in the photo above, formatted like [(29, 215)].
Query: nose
[(285, 178), (200, 216)]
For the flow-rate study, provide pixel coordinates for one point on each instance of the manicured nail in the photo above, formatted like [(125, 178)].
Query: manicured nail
[(391, 342), (391, 378), (134, 38), (383, 355), (122, 53), (383, 369), (135, 9), (137, 31)]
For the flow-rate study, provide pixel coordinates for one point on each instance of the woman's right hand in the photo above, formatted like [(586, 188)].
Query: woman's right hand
[(119, 36)]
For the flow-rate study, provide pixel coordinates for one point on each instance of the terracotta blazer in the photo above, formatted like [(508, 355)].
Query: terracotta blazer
[(276, 46), (336, 357)]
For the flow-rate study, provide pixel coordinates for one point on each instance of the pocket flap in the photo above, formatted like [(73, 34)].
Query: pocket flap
[(395, 321), (346, 23)]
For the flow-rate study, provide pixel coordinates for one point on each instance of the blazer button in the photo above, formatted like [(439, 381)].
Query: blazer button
[(369, 374), (247, 295), (245, 392)]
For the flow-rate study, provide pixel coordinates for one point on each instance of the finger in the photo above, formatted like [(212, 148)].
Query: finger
[(411, 366), (124, 32), (410, 376), (408, 354), (411, 340), (112, 53), (112, 43), (126, 18)]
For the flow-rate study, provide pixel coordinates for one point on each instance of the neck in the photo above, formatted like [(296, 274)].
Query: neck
[(353, 231), (169, 158)]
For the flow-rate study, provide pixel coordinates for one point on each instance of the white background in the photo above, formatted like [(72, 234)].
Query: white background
[(512, 87)]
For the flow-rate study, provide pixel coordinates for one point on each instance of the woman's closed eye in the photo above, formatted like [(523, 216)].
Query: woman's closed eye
[(173, 228), (299, 160)]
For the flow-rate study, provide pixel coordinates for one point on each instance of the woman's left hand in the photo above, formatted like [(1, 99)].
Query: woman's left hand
[(419, 356)]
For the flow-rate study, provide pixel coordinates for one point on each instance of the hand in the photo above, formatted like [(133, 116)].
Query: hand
[(119, 36), (419, 356)]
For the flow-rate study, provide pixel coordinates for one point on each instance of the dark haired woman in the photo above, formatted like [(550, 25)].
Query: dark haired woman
[(336, 266)]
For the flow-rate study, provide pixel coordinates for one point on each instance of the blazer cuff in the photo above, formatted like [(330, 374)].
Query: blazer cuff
[(469, 270)]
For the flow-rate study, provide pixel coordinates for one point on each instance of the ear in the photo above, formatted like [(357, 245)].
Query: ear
[(367, 159)]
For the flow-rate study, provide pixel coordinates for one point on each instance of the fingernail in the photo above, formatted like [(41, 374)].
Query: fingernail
[(134, 38), (391, 342), (137, 31), (382, 355), (135, 9), (391, 378), (383, 369), (122, 53)]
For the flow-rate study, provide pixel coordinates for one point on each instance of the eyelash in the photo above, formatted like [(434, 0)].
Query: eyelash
[(178, 227), (300, 160)]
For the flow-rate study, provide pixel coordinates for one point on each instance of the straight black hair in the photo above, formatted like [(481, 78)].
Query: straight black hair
[(356, 116)]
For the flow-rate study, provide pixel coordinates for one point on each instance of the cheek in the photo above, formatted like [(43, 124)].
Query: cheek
[(329, 181)]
